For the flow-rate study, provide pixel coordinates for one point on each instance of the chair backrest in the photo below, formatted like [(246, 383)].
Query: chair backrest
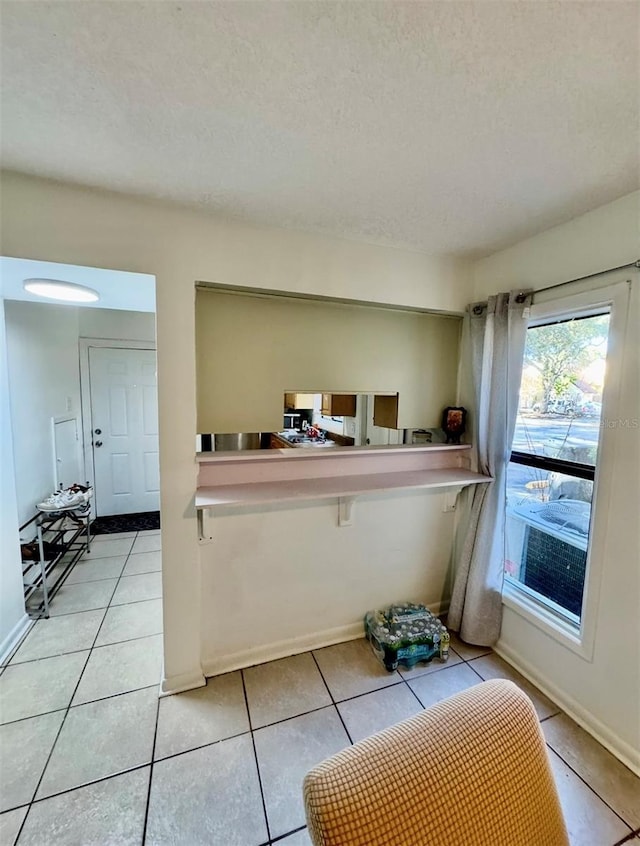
[(472, 770)]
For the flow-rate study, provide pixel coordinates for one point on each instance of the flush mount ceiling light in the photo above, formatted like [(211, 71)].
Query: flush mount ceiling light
[(55, 289)]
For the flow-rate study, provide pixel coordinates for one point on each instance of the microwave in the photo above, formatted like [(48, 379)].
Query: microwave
[(292, 421)]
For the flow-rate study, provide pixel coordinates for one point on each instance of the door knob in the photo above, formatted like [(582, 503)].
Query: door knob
[(98, 444)]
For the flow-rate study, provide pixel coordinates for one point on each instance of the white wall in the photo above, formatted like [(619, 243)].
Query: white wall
[(603, 693), (57, 222), (40, 380), (115, 324), (44, 382), (280, 579), (12, 614)]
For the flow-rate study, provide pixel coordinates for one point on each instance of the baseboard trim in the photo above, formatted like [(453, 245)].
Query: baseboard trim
[(291, 646), (280, 649), (439, 609), (12, 640), (183, 681), (622, 750)]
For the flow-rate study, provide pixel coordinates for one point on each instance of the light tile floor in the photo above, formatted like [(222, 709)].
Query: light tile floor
[(90, 755)]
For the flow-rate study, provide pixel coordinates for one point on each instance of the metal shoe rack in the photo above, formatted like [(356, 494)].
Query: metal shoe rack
[(69, 530)]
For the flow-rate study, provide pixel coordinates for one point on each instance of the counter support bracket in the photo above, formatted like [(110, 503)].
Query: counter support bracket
[(345, 510), (205, 525), (451, 498)]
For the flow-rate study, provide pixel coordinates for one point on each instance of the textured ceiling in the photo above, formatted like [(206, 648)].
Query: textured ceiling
[(454, 128)]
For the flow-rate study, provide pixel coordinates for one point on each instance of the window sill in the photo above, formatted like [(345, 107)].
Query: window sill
[(562, 631)]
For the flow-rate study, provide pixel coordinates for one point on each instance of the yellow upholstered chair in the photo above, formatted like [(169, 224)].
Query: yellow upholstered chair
[(472, 770)]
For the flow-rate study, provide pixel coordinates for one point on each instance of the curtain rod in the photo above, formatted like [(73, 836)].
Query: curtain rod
[(531, 292), (588, 276)]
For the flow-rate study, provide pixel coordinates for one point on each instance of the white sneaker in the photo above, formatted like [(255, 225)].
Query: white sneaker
[(85, 492), (61, 501)]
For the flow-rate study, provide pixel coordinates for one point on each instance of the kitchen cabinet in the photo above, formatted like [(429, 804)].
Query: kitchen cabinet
[(298, 401), (385, 411), (338, 405)]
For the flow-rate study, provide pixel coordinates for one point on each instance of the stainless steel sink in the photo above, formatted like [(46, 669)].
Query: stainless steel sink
[(313, 442), (301, 440)]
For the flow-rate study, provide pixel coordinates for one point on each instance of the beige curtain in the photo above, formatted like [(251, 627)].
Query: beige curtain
[(494, 335)]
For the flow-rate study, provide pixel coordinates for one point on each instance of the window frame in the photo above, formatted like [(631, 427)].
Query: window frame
[(613, 298)]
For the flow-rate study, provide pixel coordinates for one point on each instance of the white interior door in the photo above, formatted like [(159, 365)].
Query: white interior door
[(124, 416)]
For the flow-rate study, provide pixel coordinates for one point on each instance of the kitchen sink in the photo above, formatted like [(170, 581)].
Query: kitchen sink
[(314, 442), (302, 441)]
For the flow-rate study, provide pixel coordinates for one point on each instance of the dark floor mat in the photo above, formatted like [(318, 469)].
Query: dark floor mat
[(143, 522)]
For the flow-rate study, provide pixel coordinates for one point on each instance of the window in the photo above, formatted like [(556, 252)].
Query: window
[(550, 478)]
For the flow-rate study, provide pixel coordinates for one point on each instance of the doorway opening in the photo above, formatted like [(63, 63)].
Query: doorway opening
[(54, 400)]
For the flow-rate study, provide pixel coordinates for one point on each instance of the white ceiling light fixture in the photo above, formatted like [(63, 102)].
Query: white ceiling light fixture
[(56, 289)]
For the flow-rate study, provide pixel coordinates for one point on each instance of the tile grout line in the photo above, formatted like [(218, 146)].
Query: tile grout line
[(80, 704), (577, 774), (331, 704), (108, 608), (413, 691), (84, 784), (590, 787), (335, 704), (142, 766), (75, 651), (117, 605), (627, 838), (116, 579), (201, 745), (108, 578), (53, 746), (255, 756), (468, 661), (14, 651), (64, 719), (153, 754), (126, 558), (282, 837)]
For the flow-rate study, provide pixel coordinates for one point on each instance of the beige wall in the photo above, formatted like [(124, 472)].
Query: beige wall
[(603, 693), (58, 222), (250, 350), (49, 221), (602, 239), (286, 577)]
